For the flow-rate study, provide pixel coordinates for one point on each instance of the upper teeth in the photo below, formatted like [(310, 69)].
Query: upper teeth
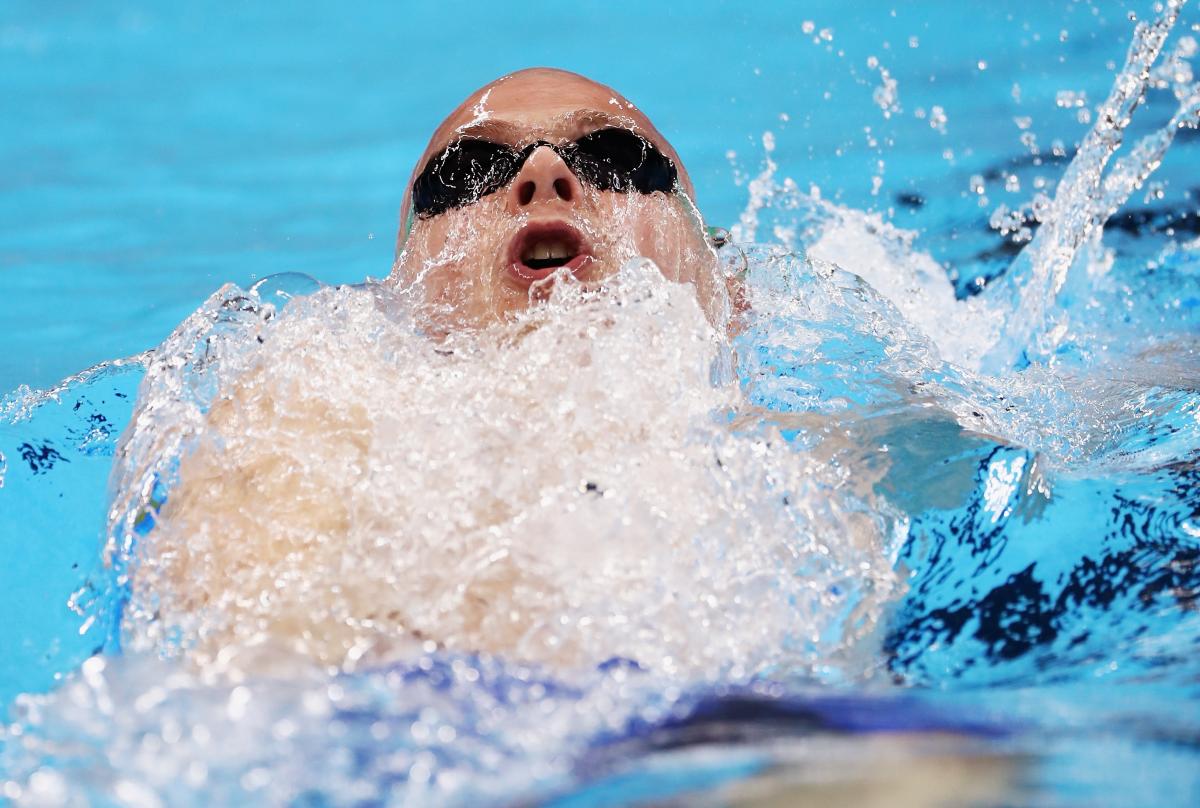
[(547, 249)]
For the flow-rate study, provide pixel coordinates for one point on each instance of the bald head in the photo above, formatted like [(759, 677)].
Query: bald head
[(515, 107), (540, 173)]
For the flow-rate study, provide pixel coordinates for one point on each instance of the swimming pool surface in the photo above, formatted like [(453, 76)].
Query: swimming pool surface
[(1047, 649)]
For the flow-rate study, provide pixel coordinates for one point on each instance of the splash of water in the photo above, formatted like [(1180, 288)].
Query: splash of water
[(1087, 197), (1076, 416), (650, 509), (564, 489), (443, 730), (20, 404), (1017, 320)]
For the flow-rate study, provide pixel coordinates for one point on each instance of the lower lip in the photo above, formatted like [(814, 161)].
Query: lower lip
[(526, 275)]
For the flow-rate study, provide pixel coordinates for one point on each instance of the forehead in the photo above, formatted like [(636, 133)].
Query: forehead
[(542, 104), (531, 99), (535, 104)]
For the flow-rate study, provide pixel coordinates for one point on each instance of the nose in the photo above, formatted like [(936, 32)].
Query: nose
[(543, 179)]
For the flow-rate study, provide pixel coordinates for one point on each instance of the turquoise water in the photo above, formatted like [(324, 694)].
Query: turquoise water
[(152, 154), (1052, 562)]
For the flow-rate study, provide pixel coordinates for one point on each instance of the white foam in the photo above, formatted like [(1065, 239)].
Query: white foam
[(564, 489)]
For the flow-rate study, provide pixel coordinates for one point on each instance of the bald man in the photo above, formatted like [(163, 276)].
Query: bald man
[(536, 179), (540, 172)]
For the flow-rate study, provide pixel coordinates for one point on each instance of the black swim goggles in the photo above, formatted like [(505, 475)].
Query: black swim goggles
[(610, 159)]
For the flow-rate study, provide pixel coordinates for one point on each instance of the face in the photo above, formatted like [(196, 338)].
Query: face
[(538, 174)]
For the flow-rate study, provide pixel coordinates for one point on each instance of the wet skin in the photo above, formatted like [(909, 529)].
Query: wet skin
[(467, 266), (464, 268)]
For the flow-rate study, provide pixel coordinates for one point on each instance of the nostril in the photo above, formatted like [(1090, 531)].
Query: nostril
[(525, 193), (563, 189)]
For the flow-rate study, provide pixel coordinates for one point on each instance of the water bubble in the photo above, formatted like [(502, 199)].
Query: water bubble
[(1155, 192), (46, 787), (938, 119), (136, 795), (239, 700), (886, 96), (1066, 99)]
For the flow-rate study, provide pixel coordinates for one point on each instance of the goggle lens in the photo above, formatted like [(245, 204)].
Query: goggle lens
[(608, 159)]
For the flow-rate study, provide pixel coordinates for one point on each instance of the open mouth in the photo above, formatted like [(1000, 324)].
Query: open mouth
[(541, 248)]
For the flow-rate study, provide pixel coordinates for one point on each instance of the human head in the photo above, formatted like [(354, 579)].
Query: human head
[(467, 263)]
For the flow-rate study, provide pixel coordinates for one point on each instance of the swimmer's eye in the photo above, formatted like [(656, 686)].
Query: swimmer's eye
[(465, 172), (607, 159), (620, 160)]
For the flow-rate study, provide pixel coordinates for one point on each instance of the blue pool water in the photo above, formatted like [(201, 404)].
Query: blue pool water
[(1047, 645)]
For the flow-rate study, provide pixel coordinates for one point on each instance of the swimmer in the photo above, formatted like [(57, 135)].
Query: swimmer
[(355, 487), (538, 172)]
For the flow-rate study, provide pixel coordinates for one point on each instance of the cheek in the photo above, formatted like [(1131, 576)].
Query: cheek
[(453, 249), (629, 225), (662, 231), (669, 237), (455, 262), (419, 262)]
